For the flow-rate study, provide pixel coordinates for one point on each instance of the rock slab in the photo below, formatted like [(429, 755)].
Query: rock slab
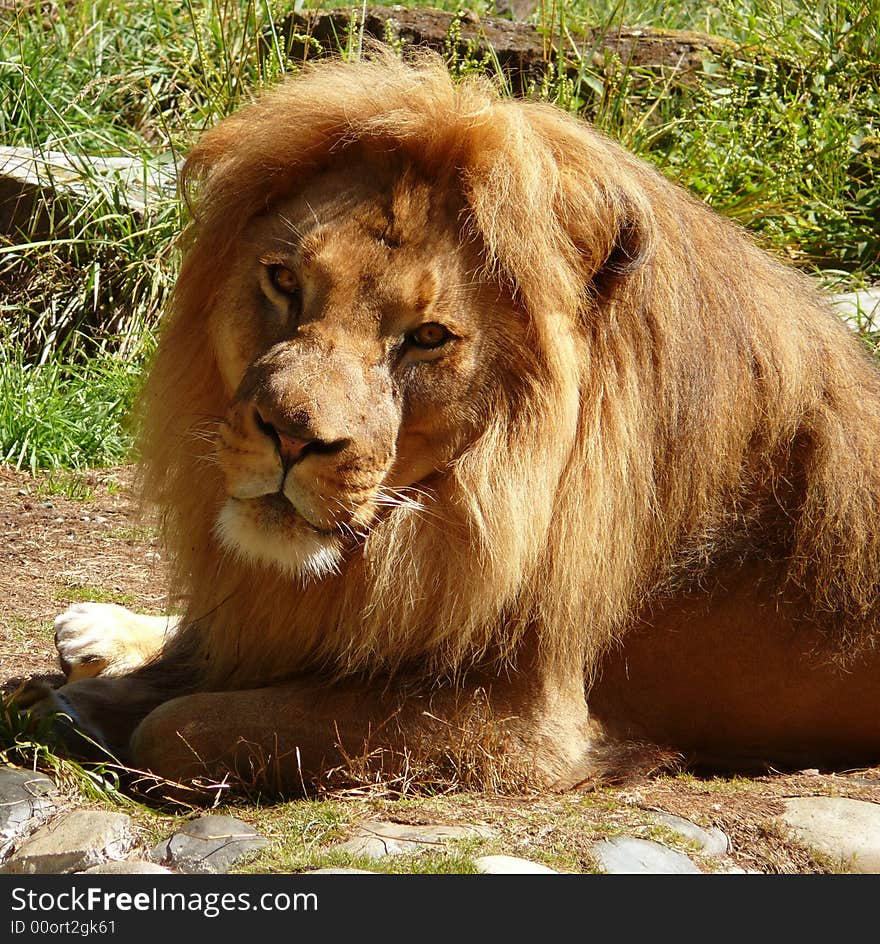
[(26, 800), (712, 841), (861, 305), (29, 178), (846, 830), (511, 865), (73, 842), (377, 840), (128, 867), (208, 845), (626, 855), (521, 50)]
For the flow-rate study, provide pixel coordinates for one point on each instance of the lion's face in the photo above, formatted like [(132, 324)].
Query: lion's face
[(352, 334)]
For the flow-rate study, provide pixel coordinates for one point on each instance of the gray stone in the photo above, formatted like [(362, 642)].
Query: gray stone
[(41, 180), (376, 840), (128, 867), (712, 841), (861, 306), (26, 800), (209, 844), (846, 830), (72, 842), (511, 865), (625, 855)]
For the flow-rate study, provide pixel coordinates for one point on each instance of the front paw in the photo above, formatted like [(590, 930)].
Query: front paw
[(54, 719), (95, 639)]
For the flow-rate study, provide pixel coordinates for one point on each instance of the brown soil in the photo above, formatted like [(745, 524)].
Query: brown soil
[(57, 550)]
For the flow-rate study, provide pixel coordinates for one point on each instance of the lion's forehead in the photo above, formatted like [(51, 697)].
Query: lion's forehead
[(357, 270), (388, 205)]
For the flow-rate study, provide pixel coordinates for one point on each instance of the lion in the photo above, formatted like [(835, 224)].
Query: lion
[(459, 402)]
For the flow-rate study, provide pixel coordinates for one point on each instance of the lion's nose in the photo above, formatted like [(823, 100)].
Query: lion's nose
[(294, 441)]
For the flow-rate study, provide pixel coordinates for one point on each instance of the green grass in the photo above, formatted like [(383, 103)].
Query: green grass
[(781, 134), (60, 415), (30, 743), (91, 593), (71, 485)]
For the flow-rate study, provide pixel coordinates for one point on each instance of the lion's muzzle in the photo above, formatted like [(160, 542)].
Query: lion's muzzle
[(312, 423)]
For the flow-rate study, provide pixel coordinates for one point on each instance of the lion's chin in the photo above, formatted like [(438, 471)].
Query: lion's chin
[(262, 534)]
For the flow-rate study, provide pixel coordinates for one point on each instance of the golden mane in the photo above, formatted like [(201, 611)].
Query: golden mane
[(711, 428)]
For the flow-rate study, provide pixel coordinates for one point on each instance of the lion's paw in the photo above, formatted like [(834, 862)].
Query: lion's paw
[(77, 717), (107, 640)]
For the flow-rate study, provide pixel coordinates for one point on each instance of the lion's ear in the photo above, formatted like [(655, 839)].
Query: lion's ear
[(630, 248), (632, 232)]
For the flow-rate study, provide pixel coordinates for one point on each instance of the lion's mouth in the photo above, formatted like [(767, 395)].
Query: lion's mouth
[(279, 504), (283, 510)]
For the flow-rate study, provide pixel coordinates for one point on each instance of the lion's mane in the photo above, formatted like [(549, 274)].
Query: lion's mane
[(722, 413)]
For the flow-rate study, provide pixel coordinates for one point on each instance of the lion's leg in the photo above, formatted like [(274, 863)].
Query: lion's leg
[(106, 709), (514, 726), (287, 736), (100, 713), (103, 639)]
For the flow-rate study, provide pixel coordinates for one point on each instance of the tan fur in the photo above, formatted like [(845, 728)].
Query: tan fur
[(667, 402)]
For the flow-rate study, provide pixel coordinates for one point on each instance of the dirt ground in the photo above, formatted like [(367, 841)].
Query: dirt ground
[(69, 538)]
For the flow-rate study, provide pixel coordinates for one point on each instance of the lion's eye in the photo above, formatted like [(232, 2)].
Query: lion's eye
[(283, 279), (429, 335)]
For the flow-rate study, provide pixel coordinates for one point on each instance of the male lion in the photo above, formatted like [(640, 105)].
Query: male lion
[(461, 403)]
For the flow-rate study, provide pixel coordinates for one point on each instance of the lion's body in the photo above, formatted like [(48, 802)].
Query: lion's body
[(635, 409)]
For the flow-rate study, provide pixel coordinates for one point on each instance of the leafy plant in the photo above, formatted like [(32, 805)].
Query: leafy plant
[(65, 415)]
